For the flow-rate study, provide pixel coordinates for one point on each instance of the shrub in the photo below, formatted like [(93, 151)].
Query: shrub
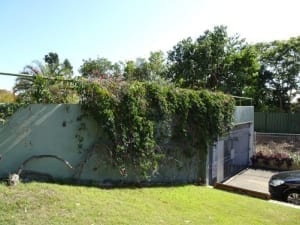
[(140, 117), (279, 158)]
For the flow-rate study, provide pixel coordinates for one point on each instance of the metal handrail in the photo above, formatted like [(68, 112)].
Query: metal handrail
[(30, 76), (16, 74), (240, 99)]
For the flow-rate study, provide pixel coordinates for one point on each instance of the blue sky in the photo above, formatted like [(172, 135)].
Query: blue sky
[(127, 29)]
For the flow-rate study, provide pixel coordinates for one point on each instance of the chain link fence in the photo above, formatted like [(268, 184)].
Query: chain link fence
[(272, 144)]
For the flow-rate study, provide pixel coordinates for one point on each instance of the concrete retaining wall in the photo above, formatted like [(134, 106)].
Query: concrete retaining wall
[(62, 130)]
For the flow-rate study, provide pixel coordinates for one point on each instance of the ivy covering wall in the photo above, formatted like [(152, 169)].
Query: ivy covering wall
[(146, 122), (141, 119)]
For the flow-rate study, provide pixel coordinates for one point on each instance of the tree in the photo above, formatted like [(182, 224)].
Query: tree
[(149, 69), (100, 68), (56, 68), (182, 64), (129, 70), (257, 90), (280, 64), (47, 82), (214, 61), (157, 64)]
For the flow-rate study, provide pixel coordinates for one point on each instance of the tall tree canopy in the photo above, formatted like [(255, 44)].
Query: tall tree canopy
[(279, 76), (36, 89), (215, 61), (100, 68), (267, 72), (149, 69), (55, 68)]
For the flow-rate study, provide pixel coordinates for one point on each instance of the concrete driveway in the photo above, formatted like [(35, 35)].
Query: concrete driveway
[(252, 179), (253, 182)]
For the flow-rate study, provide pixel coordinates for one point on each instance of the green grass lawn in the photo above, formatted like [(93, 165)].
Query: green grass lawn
[(39, 203)]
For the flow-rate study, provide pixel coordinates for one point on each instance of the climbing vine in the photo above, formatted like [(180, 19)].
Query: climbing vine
[(7, 110), (140, 117)]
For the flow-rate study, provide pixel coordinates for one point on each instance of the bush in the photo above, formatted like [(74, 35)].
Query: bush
[(140, 117), (277, 158)]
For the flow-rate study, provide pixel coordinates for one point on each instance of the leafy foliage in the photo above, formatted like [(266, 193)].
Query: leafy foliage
[(140, 117), (149, 69), (100, 68), (47, 82), (6, 96), (279, 74), (266, 72), (214, 61), (7, 110)]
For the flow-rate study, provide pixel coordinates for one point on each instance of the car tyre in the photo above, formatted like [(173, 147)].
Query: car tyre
[(293, 197)]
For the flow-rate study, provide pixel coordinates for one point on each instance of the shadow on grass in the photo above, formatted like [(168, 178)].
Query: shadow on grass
[(27, 177)]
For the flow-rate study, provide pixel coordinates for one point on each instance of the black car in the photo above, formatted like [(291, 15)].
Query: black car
[(286, 186)]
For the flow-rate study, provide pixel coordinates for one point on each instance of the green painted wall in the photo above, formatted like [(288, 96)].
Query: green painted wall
[(43, 129), (56, 130)]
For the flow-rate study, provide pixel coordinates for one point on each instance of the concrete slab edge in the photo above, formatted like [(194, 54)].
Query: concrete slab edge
[(243, 191)]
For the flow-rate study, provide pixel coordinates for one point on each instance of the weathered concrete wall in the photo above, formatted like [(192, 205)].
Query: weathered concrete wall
[(44, 129), (57, 130), (244, 114)]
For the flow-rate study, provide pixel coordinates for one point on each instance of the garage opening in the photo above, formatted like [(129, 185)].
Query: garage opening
[(230, 154)]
